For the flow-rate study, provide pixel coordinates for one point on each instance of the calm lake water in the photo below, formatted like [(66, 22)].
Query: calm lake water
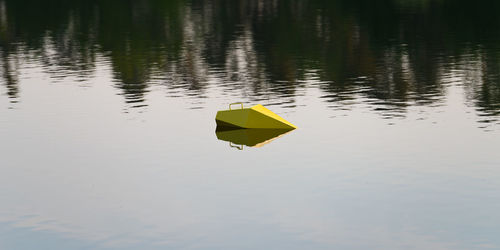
[(107, 130)]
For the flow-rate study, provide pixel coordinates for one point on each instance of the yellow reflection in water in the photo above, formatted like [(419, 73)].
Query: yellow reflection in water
[(249, 137)]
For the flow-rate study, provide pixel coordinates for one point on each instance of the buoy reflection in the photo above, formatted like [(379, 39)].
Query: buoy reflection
[(238, 138)]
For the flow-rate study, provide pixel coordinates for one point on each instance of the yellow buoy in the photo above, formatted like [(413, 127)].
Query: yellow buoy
[(255, 117)]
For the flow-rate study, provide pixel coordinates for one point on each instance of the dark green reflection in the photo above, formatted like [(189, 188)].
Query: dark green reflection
[(394, 53), (249, 137)]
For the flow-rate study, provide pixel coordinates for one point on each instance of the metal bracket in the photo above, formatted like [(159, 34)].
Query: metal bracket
[(235, 104)]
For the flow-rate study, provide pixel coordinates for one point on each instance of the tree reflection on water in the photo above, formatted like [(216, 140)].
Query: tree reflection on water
[(392, 53)]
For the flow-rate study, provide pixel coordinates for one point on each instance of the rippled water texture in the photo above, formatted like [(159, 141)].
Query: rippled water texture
[(108, 138)]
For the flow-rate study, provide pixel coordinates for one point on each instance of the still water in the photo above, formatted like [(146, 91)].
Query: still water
[(108, 138)]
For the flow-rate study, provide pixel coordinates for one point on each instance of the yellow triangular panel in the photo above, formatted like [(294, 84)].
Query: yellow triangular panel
[(255, 117)]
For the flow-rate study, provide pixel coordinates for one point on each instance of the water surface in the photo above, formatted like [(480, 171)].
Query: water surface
[(108, 138)]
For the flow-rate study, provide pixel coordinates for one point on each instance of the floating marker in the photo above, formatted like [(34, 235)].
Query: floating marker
[(255, 117)]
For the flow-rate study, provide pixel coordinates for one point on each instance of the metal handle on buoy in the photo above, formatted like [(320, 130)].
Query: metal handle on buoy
[(236, 103), (240, 147)]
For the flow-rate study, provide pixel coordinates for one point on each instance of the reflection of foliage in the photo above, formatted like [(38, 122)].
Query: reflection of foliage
[(70, 33), (487, 96), (396, 51)]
